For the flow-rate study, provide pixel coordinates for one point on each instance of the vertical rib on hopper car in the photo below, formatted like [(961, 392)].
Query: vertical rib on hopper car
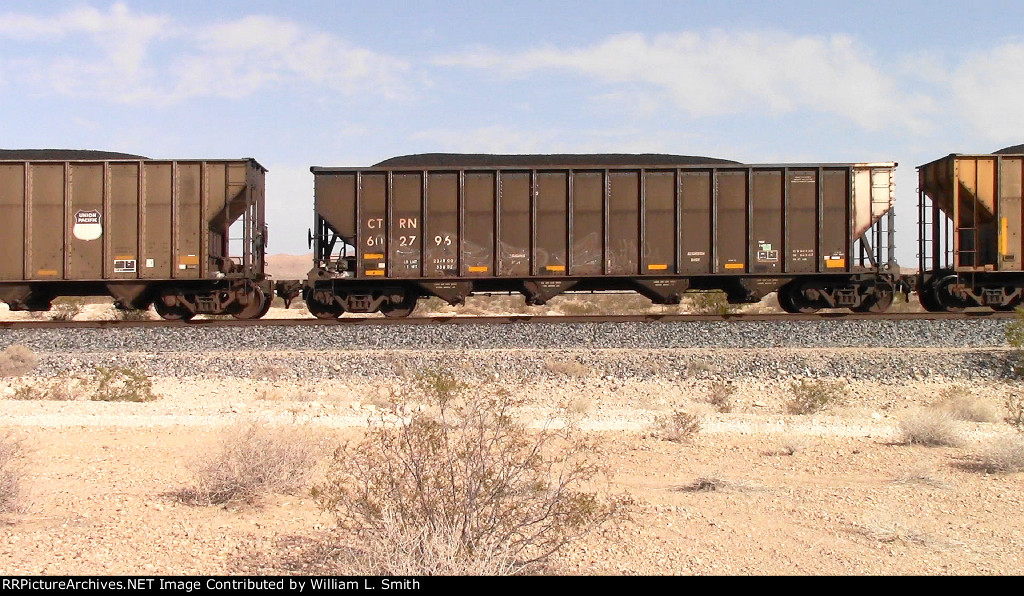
[(387, 235), (142, 231)]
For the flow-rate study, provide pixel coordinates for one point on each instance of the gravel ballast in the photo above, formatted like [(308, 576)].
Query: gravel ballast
[(631, 335)]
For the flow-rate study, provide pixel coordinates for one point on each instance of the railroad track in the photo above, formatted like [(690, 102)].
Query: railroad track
[(511, 319)]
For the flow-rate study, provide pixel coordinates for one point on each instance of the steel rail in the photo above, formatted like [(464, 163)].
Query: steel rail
[(513, 318)]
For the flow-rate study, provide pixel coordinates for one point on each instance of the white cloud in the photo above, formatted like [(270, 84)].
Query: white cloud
[(987, 89), (717, 73), (126, 57), (239, 57)]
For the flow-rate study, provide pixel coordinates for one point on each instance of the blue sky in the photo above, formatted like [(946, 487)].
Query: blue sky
[(352, 83)]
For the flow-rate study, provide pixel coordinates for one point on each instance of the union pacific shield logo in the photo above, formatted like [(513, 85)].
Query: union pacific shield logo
[(87, 225)]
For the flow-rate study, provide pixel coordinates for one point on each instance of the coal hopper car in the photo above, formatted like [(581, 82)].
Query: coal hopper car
[(450, 225), (143, 231), (971, 247)]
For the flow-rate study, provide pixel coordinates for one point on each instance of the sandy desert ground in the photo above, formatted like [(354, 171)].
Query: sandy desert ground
[(756, 491)]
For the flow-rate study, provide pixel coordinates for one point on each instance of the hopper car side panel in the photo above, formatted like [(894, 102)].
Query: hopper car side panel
[(970, 233), (385, 236), (142, 231)]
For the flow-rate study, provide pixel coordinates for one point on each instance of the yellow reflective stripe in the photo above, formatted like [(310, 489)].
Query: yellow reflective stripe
[(1002, 236)]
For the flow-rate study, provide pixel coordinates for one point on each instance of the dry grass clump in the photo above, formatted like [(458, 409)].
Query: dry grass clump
[(131, 314), (610, 303), (581, 405), (269, 372), (709, 303), (932, 427), (1015, 411), (122, 383), (791, 444), (887, 530), (461, 487), (679, 427), (958, 401), (720, 396), (252, 461), (11, 471), (48, 390), (698, 368), (17, 360), (921, 475), (569, 368), (119, 383), (1005, 454), (66, 309), (810, 396), (714, 483)]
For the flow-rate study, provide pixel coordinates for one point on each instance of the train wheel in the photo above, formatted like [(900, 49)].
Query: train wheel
[(792, 300), (324, 311), (172, 313), (946, 299), (928, 300), (785, 301), (266, 306), (880, 301), (259, 304), (400, 310)]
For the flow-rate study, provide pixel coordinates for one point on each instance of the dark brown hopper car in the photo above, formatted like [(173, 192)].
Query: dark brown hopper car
[(543, 225), (971, 247), (142, 231)]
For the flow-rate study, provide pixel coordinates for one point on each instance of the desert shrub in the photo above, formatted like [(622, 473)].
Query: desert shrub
[(459, 486), (253, 460), (66, 309), (11, 453), (17, 360), (791, 444), (959, 402), (711, 303), (131, 314), (1015, 411), (439, 386), (1015, 337), (704, 484), (720, 396), (121, 383), (810, 396), (606, 303), (714, 483), (679, 427), (930, 426), (698, 368), (1005, 454), (49, 389), (434, 304)]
